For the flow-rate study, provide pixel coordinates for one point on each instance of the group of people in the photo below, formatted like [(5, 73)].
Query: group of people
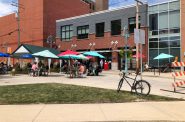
[(39, 69), (4, 68), (80, 68)]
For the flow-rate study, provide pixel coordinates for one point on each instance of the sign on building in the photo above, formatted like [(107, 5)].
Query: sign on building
[(139, 36)]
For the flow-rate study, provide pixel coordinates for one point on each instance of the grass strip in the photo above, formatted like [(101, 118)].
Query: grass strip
[(68, 94)]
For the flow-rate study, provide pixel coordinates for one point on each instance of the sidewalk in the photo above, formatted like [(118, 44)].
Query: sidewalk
[(140, 111), (147, 74)]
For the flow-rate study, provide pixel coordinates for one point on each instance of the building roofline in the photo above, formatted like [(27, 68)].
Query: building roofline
[(10, 14), (154, 4), (95, 13)]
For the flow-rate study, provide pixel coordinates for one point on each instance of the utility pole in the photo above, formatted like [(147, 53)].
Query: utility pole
[(19, 6), (137, 27)]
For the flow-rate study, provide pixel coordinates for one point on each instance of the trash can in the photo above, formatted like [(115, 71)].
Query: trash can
[(106, 66)]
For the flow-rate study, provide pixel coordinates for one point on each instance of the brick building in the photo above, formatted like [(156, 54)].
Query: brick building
[(37, 21), (101, 31)]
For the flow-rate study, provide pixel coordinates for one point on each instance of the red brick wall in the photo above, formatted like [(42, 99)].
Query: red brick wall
[(101, 43), (8, 24), (31, 21), (59, 9), (38, 20), (182, 29)]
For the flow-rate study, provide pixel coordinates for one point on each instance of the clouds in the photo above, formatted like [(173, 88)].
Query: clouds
[(119, 3), (6, 8)]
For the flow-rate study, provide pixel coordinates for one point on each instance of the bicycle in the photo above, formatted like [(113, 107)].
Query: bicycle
[(141, 87)]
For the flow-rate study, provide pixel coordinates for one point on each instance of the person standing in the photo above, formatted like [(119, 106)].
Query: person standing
[(101, 63)]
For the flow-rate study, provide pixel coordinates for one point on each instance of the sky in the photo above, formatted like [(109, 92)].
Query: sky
[(6, 8)]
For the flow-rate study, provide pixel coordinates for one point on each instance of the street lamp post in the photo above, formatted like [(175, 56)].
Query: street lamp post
[(126, 35), (73, 46), (92, 45)]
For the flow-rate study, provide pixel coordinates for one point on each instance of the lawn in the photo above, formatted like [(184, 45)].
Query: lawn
[(61, 93)]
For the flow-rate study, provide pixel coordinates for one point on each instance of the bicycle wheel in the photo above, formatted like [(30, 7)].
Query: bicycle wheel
[(120, 85), (142, 88)]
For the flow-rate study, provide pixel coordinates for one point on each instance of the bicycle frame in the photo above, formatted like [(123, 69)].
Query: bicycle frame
[(137, 85), (124, 77)]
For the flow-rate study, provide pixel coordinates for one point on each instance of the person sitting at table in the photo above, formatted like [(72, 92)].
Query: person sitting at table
[(34, 68), (81, 70), (146, 67)]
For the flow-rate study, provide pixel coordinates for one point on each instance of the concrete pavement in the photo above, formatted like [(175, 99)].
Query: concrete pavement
[(140, 111), (107, 80)]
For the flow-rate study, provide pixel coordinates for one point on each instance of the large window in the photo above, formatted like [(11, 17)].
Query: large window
[(100, 29), (153, 22), (164, 36), (116, 27), (174, 20), (82, 32), (67, 32), (132, 24), (174, 41), (163, 21)]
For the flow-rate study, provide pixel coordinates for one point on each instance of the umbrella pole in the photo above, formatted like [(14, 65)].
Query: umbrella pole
[(60, 65), (141, 53), (69, 67), (49, 64)]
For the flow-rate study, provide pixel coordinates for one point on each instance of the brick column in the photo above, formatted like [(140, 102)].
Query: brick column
[(114, 60)]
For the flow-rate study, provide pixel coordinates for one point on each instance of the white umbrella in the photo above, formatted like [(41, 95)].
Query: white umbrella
[(46, 54)]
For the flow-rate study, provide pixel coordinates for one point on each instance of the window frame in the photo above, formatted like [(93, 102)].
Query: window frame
[(98, 29), (65, 31), (114, 25), (83, 35), (134, 25)]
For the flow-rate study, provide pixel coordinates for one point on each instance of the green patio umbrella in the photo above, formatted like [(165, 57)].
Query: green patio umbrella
[(163, 56), (46, 54), (94, 54), (82, 57), (69, 57)]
